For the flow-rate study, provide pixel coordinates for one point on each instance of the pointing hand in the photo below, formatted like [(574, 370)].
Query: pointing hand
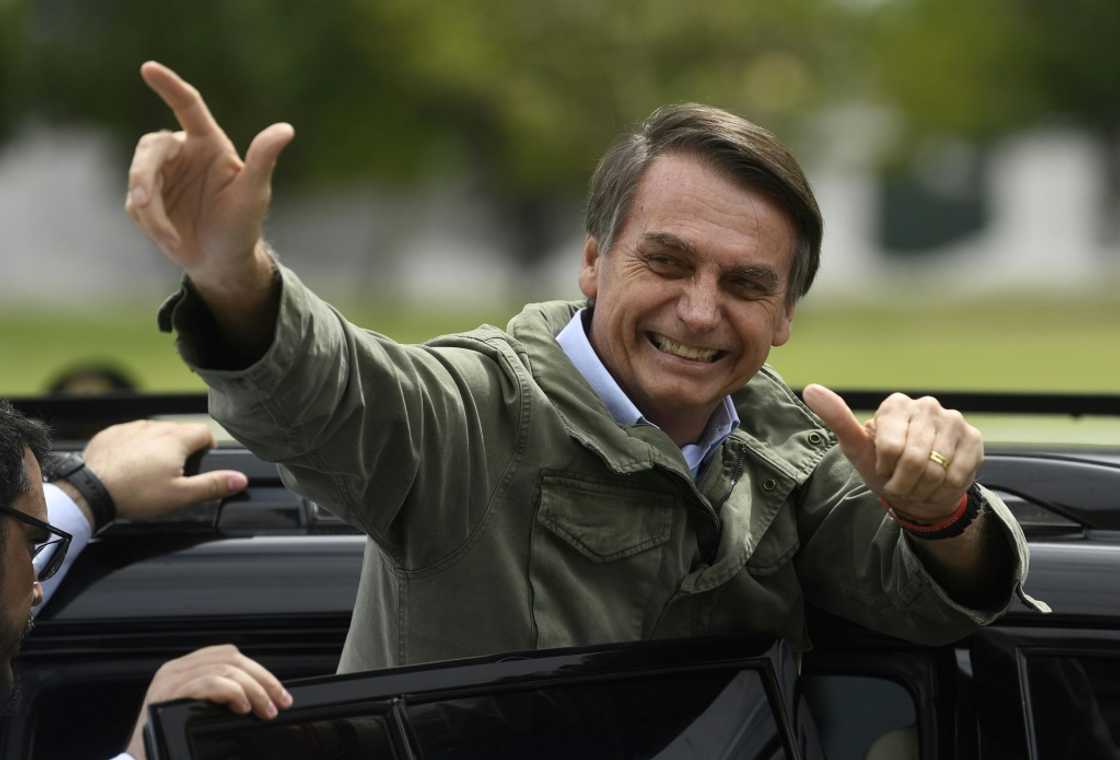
[(191, 193)]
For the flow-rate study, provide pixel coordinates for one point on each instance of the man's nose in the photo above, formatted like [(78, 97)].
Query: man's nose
[(36, 594), (698, 306)]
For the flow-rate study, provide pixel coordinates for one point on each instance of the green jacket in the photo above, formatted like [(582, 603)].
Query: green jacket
[(507, 510)]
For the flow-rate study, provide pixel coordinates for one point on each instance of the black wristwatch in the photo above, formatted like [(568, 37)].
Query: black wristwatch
[(69, 466)]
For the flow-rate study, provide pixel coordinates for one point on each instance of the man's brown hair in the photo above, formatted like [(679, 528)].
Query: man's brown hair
[(749, 154)]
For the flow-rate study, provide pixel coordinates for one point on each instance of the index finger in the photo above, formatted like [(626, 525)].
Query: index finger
[(892, 425), (189, 107)]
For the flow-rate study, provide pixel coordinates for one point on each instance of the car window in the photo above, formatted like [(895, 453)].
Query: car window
[(853, 714), (367, 735), (713, 713), (1075, 704), (704, 715)]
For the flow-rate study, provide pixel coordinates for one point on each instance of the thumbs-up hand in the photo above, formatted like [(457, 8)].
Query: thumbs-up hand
[(915, 454)]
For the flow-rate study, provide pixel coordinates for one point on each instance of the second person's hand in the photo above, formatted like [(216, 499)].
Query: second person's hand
[(141, 465)]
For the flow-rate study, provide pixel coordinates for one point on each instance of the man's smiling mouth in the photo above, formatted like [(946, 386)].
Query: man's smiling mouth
[(684, 351)]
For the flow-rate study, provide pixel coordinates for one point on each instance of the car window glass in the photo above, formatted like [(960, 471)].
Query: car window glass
[(339, 738), (707, 715), (1075, 702), (855, 714)]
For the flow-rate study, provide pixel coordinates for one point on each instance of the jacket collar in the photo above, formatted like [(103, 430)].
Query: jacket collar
[(776, 426), (623, 448)]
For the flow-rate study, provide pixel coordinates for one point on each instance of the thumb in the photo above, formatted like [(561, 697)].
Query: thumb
[(260, 159), (855, 441), (209, 486)]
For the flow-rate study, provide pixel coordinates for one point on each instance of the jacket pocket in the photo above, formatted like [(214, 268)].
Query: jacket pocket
[(596, 560)]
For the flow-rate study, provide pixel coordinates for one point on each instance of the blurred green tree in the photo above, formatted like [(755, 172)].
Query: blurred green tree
[(979, 71), (522, 97), (11, 56)]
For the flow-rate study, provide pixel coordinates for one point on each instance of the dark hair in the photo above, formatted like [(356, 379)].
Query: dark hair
[(747, 152), (17, 434), (91, 378)]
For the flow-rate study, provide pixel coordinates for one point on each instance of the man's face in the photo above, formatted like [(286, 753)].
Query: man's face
[(692, 294), (18, 590)]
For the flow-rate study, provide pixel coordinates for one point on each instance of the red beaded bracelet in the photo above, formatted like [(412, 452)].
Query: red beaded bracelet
[(924, 528)]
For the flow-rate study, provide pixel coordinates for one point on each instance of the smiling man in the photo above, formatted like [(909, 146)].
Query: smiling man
[(693, 293), (622, 468)]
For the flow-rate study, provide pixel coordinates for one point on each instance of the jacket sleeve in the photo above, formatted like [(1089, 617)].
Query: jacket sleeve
[(395, 439), (856, 562)]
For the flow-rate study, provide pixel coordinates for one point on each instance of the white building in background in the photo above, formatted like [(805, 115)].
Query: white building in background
[(67, 239)]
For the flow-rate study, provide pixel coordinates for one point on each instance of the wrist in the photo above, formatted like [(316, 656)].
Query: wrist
[(68, 471), (245, 307), (76, 496), (250, 279), (947, 526)]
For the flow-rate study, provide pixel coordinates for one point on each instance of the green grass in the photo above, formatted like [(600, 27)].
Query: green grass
[(1010, 343), (36, 347)]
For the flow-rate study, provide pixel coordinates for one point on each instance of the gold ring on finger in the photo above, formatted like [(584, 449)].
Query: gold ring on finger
[(939, 458)]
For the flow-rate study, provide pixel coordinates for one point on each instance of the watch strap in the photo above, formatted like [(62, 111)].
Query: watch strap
[(70, 466)]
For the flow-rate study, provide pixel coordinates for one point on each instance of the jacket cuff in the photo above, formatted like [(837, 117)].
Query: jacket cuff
[(202, 346), (1003, 520)]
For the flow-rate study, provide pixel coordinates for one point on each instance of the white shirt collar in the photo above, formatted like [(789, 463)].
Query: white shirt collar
[(576, 346)]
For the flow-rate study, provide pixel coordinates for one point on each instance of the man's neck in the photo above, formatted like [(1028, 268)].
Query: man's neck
[(627, 408), (682, 430)]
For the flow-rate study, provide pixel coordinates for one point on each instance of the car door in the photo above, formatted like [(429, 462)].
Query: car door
[(1031, 685), (1049, 686), (707, 699)]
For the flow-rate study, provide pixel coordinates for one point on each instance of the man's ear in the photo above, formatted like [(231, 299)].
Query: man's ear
[(784, 328), (589, 269)]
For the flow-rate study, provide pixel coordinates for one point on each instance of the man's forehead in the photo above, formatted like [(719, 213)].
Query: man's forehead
[(679, 189)]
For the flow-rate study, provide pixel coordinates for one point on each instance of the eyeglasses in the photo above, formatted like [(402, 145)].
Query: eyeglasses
[(61, 543)]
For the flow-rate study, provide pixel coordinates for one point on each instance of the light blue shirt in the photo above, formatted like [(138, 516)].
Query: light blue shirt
[(573, 341)]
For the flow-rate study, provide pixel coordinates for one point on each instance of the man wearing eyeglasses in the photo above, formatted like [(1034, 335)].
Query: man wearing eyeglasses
[(132, 470)]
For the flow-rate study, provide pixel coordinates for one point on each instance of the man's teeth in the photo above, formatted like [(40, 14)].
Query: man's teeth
[(685, 352)]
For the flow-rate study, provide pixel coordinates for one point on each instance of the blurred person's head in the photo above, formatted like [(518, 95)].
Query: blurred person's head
[(748, 154), (23, 444), (91, 378)]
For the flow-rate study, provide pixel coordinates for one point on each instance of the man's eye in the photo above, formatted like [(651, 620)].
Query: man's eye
[(36, 540), (665, 264), (748, 289)]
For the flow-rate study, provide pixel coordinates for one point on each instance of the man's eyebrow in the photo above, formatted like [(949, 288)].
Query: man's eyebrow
[(668, 240), (759, 273)]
